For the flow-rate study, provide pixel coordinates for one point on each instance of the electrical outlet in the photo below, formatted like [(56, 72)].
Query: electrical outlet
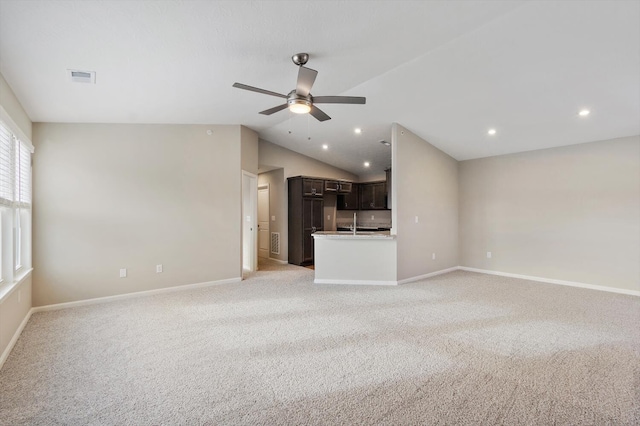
[(488, 255), (158, 268), (123, 273), (328, 217), (273, 218), (433, 256), (373, 217), (416, 219)]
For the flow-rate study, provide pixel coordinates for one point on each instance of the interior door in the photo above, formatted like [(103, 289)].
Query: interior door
[(263, 222), (249, 221)]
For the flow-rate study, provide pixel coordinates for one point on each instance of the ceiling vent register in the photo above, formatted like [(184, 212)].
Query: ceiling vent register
[(82, 76)]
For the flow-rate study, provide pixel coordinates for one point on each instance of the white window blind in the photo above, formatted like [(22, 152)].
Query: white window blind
[(23, 175), (15, 170), (7, 171)]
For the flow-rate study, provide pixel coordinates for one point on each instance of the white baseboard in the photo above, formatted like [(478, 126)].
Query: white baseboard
[(133, 295), (553, 281), (282, 262), (14, 339), (429, 275), (354, 282)]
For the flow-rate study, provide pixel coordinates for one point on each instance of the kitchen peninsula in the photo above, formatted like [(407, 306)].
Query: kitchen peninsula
[(343, 257)]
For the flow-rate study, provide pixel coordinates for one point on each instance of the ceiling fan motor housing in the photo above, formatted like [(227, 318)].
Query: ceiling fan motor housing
[(295, 99)]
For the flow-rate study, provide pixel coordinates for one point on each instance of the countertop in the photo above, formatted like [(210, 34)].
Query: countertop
[(349, 235)]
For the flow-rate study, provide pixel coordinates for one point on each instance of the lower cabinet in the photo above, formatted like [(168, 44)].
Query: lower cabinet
[(305, 218)]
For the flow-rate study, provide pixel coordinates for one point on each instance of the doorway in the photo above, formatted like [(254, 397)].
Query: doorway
[(263, 221), (249, 225)]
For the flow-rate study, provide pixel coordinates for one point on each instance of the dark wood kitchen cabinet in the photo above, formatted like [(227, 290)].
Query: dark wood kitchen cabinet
[(312, 187), (349, 200), (306, 211), (373, 195)]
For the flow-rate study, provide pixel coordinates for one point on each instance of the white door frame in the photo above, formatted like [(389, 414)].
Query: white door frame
[(249, 224), (265, 186)]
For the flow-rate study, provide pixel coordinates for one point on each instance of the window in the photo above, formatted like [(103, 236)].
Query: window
[(15, 203), (17, 241)]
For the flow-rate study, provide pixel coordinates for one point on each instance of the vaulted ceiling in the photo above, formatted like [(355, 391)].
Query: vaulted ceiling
[(447, 70)]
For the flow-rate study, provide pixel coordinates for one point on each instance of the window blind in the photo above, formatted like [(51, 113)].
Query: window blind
[(7, 170), (15, 170), (23, 175)]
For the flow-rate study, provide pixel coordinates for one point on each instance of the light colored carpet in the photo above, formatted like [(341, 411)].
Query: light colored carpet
[(461, 348)]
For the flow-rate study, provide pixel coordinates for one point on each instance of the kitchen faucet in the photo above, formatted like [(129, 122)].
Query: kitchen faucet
[(354, 223)]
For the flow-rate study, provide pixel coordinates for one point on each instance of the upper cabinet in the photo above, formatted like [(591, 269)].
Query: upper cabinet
[(336, 186), (312, 187), (373, 195), (331, 186), (349, 200), (350, 196)]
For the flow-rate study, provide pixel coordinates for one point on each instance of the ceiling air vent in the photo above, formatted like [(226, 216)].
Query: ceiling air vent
[(78, 76)]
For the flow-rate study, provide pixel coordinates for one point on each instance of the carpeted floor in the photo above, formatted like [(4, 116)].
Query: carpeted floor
[(461, 348)]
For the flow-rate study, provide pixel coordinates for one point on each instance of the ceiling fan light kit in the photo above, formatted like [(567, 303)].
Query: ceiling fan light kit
[(299, 100), (299, 104)]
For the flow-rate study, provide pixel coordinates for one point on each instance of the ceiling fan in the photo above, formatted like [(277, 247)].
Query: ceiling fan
[(300, 100)]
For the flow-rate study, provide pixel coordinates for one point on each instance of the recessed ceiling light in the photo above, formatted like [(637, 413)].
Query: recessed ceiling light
[(358, 130), (584, 113), (325, 146), (366, 164), (492, 131)]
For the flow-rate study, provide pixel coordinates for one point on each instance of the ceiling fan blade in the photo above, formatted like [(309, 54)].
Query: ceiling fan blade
[(339, 100), (306, 78), (274, 109), (319, 114), (256, 89)]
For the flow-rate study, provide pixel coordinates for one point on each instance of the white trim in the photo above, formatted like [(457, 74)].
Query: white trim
[(7, 289), (429, 275), (282, 262), (14, 339), (554, 281), (4, 116), (354, 282), (106, 299)]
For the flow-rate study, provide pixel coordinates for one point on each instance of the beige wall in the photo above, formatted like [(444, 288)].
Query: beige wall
[(111, 196), (294, 164), (13, 107), (291, 163), (569, 213), (425, 184), (14, 307), (249, 147)]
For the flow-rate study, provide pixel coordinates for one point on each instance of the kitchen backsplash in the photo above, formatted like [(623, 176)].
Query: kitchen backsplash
[(379, 218)]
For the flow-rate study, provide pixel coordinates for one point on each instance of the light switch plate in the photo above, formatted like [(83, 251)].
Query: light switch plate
[(123, 273), (273, 218)]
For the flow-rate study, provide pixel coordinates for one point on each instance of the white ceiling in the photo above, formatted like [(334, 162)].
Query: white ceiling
[(447, 70)]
